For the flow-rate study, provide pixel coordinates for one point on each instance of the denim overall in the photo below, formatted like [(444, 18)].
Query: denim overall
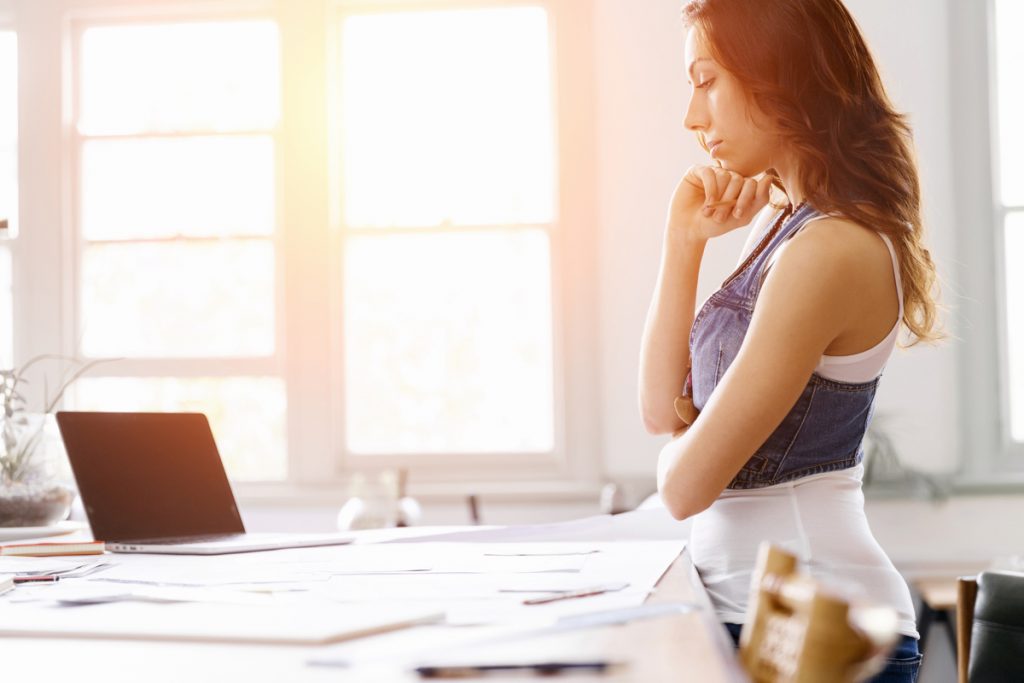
[(824, 429)]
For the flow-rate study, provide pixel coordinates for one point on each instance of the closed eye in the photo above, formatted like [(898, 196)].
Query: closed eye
[(705, 84)]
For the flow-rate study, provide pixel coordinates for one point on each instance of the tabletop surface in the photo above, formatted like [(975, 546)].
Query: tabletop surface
[(690, 645)]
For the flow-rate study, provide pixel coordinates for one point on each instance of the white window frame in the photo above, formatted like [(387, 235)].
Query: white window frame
[(8, 243), (524, 465), (308, 215), (219, 367), (989, 456)]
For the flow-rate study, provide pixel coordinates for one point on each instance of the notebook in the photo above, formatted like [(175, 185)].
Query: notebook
[(155, 483)]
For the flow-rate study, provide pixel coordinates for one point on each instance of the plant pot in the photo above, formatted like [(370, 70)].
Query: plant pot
[(34, 504)]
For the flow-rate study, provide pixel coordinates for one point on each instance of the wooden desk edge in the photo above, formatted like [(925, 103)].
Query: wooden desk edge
[(681, 583)]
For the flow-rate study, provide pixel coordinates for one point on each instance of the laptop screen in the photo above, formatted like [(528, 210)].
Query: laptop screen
[(149, 475)]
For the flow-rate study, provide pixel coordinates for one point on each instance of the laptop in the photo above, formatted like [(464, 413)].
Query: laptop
[(154, 483)]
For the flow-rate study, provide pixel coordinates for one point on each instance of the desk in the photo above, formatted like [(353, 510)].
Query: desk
[(938, 604), (935, 584), (689, 646)]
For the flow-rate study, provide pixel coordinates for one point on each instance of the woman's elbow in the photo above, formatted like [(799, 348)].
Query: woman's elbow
[(683, 504), (681, 510), (659, 422), (654, 426)]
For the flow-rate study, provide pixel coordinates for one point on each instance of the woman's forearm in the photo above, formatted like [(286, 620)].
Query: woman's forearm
[(707, 202), (664, 349)]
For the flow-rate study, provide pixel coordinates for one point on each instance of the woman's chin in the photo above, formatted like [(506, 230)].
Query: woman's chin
[(745, 170), (728, 165)]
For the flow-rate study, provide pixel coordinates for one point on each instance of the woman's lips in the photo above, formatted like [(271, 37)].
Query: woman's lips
[(713, 146)]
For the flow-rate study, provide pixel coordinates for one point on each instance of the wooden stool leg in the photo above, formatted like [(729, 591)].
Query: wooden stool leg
[(966, 592)]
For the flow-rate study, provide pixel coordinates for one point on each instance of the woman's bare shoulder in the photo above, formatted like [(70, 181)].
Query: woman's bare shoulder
[(843, 248), (838, 268)]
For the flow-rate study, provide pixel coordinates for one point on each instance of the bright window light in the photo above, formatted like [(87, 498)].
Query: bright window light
[(447, 118), (1014, 240), (177, 209), (1009, 53), (8, 186), (9, 134), (210, 299), (198, 76), (448, 343), (202, 186)]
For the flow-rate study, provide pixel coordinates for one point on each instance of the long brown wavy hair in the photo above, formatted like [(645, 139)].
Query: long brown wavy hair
[(805, 65)]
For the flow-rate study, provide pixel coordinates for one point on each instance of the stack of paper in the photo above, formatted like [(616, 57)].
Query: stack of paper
[(483, 577)]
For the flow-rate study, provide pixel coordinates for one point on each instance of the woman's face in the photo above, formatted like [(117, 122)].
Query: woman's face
[(736, 132)]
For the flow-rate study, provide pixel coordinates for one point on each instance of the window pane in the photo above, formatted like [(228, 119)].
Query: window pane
[(1009, 66), (448, 343), (450, 111), (247, 414), (6, 311), (202, 186), (1015, 320), (178, 299), (216, 76), (9, 132)]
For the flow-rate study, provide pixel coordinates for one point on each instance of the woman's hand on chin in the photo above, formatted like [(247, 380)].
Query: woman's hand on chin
[(711, 201)]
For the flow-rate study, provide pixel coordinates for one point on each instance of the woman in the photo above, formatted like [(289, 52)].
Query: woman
[(769, 389)]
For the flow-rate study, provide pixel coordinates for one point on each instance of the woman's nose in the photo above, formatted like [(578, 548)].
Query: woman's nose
[(696, 117)]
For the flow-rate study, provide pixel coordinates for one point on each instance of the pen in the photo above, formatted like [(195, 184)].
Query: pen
[(474, 509), (44, 578), (582, 593), (542, 668)]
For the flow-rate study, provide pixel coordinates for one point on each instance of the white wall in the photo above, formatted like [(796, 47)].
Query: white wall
[(644, 150)]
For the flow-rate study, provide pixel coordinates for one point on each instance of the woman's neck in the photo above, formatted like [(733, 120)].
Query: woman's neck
[(788, 173)]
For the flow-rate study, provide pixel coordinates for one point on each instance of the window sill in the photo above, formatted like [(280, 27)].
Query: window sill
[(1001, 483), (945, 486), (284, 494)]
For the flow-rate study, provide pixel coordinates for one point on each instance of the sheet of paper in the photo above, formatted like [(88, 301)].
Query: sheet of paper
[(95, 593), (371, 560), (401, 649), (454, 562), (497, 597), (431, 643), (447, 587), (289, 624), (650, 524), (25, 566)]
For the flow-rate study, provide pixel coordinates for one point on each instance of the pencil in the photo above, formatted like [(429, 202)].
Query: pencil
[(42, 578)]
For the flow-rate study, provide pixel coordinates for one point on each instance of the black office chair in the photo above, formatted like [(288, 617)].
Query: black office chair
[(990, 628)]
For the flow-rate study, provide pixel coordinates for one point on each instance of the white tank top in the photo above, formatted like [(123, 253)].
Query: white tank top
[(866, 365), (820, 518)]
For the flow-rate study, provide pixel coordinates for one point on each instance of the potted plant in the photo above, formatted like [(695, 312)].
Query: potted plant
[(30, 493)]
